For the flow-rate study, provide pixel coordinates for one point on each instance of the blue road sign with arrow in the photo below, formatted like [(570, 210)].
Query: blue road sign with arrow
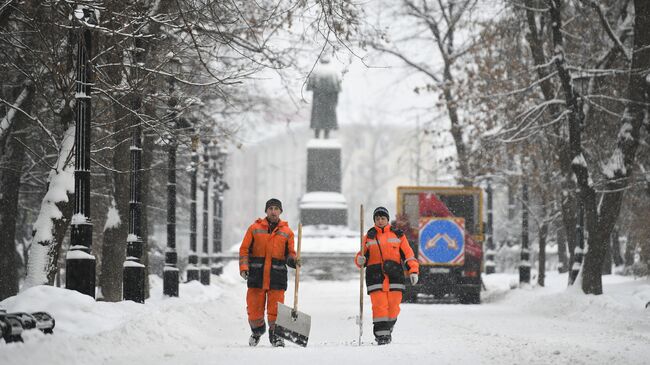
[(442, 241)]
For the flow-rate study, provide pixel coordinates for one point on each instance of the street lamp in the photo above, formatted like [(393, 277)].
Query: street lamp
[(192, 270), (80, 263), (219, 156), (205, 258), (490, 252), (524, 264), (170, 271), (135, 273)]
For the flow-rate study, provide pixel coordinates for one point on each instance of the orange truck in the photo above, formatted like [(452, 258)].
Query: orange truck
[(444, 226)]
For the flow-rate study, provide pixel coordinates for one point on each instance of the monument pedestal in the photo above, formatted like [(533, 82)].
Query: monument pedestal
[(322, 207), (323, 202)]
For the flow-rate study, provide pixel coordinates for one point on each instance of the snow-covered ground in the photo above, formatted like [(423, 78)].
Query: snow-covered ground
[(207, 325)]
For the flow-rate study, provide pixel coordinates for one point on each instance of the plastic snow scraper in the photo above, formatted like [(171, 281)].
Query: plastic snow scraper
[(291, 324)]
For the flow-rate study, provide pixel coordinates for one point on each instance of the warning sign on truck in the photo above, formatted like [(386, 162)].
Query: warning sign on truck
[(442, 241)]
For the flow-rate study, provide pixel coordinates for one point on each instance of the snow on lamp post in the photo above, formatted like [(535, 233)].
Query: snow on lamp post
[(80, 264), (192, 270), (489, 253), (170, 271), (205, 257)]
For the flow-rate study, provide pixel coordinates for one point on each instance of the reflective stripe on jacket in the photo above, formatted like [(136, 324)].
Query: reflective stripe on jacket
[(264, 254), (385, 249)]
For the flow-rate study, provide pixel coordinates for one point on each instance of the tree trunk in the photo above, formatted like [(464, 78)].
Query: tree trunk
[(625, 152), (567, 198), (541, 235), (148, 147), (607, 262), (114, 246), (628, 257), (12, 157), (561, 251), (54, 217), (616, 248)]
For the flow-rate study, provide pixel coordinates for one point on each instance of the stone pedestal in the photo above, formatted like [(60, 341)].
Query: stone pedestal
[(323, 202)]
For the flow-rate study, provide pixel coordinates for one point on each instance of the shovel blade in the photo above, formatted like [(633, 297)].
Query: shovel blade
[(292, 326)]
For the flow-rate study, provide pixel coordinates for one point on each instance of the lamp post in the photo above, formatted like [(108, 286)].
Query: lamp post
[(205, 257), (192, 271), (489, 253), (524, 264), (80, 263), (219, 156), (170, 272), (135, 273)]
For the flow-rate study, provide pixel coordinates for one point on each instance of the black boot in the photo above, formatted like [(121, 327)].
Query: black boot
[(256, 335), (276, 341), (383, 340)]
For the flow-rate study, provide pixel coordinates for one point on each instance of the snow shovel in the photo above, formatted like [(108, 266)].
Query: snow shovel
[(291, 324)]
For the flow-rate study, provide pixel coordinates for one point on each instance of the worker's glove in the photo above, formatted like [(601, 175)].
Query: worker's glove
[(414, 278), (244, 274), (292, 262), (361, 260)]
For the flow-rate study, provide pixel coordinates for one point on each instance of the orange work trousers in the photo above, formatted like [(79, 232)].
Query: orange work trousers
[(257, 299), (385, 304), (385, 309)]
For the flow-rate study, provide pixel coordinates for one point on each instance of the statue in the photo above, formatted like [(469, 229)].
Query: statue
[(325, 83)]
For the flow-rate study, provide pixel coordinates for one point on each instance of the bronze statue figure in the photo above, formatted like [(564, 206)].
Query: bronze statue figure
[(325, 83)]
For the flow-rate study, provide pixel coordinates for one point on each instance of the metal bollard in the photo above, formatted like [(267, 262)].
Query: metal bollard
[(44, 322), (13, 328), (12, 325)]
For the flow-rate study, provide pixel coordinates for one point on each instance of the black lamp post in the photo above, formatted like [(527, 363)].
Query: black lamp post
[(192, 271), (524, 264), (219, 156), (80, 264), (170, 272), (135, 272), (489, 253), (205, 257)]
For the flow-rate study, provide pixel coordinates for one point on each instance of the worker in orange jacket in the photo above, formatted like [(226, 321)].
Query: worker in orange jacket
[(264, 254), (384, 250)]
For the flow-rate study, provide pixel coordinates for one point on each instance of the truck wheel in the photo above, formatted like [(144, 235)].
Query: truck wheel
[(470, 296), (409, 295)]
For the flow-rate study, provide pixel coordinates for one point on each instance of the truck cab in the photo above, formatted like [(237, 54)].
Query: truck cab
[(444, 228)]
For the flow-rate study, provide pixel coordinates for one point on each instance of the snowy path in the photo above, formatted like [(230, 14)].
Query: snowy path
[(208, 326)]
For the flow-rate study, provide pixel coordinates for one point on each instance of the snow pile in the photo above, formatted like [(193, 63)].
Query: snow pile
[(77, 314), (207, 324)]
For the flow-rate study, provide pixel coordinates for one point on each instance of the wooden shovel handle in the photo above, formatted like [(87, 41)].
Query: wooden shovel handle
[(361, 274), (295, 292)]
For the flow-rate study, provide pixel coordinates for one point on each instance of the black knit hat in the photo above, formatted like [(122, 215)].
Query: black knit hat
[(273, 202), (380, 211)]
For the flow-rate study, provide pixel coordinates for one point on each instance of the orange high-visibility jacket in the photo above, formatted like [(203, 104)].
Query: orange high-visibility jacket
[(264, 254), (385, 249)]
